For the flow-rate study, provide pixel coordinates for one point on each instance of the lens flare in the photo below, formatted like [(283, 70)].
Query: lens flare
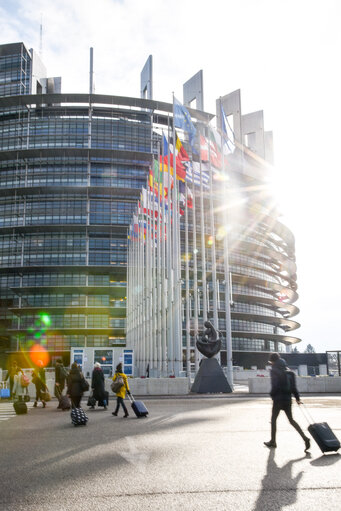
[(45, 318), (39, 355)]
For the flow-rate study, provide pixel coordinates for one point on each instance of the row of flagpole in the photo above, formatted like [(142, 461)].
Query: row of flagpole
[(156, 307)]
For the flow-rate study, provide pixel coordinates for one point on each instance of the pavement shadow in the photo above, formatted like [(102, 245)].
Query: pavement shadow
[(279, 486), (326, 459)]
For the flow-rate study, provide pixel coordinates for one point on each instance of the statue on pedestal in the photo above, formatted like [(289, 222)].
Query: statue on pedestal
[(210, 378)]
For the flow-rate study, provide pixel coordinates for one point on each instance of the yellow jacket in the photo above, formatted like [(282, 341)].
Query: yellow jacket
[(122, 392)]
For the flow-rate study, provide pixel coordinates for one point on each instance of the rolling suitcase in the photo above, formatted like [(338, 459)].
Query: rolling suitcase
[(64, 403), (104, 402), (322, 434), (324, 437), (20, 407), (4, 391), (138, 406), (78, 417)]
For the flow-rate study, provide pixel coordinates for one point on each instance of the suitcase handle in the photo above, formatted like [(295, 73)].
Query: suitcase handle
[(130, 397), (306, 414)]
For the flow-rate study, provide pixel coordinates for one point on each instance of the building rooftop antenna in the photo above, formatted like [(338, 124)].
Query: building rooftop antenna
[(41, 36)]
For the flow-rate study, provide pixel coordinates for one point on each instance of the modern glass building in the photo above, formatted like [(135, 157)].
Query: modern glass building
[(71, 170)]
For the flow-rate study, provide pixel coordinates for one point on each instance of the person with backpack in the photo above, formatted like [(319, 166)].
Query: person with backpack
[(120, 386), (18, 389), (60, 373), (283, 384)]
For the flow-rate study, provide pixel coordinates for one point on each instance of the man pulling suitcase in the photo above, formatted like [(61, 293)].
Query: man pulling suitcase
[(283, 384)]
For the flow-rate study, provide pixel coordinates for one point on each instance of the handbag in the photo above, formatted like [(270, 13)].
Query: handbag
[(24, 380), (117, 384), (45, 395), (84, 385), (91, 400)]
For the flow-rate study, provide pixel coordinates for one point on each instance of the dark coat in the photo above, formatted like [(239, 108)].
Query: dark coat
[(74, 386), (283, 383), (39, 379), (97, 384), (60, 374)]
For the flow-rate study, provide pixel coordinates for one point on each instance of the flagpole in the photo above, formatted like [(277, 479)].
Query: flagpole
[(158, 298), (140, 290), (163, 267), (228, 284), (154, 354), (195, 277), (170, 350), (187, 313), (177, 265), (213, 250), (203, 253)]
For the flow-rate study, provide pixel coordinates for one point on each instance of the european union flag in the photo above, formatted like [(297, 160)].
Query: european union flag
[(182, 119)]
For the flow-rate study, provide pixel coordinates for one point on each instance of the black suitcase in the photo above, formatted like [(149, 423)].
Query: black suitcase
[(324, 437), (78, 417), (20, 407), (91, 400), (101, 402), (139, 407)]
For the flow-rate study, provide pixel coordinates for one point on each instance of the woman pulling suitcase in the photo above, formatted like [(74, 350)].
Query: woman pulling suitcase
[(120, 386)]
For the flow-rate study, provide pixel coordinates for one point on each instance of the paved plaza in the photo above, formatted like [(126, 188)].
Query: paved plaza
[(192, 453)]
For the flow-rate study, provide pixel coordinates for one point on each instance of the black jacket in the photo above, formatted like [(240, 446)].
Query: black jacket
[(283, 382), (97, 384), (39, 379), (74, 387), (60, 374)]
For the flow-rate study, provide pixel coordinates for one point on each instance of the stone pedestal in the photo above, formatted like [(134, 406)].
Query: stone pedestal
[(210, 378)]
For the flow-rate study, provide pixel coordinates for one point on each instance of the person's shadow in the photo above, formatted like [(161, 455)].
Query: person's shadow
[(278, 484)]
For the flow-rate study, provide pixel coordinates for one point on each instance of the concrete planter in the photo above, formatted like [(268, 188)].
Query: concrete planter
[(305, 384)]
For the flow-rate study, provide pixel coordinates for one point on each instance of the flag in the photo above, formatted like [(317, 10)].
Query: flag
[(182, 195), (182, 120), (193, 173), (180, 168), (181, 152), (209, 149)]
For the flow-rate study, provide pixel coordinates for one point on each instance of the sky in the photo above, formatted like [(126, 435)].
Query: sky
[(284, 55)]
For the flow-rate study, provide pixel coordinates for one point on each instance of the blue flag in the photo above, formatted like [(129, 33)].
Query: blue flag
[(182, 120)]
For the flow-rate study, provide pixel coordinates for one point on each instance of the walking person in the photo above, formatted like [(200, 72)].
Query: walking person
[(97, 385), (283, 384), (75, 385), (60, 376), (18, 390), (11, 373), (121, 393), (39, 381)]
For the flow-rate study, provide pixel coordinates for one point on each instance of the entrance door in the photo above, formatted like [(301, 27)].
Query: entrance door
[(77, 357), (105, 358)]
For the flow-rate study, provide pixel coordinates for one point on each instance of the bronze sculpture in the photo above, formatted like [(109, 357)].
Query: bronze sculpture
[(210, 342)]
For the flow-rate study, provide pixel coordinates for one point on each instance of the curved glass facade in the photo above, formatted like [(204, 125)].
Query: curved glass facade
[(71, 171)]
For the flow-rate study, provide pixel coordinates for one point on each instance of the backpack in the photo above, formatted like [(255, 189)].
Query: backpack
[(289, 382), (24, 380), (117, 384)]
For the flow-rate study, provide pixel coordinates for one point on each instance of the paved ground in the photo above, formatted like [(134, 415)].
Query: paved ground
[(191, 454), (7, 411)]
